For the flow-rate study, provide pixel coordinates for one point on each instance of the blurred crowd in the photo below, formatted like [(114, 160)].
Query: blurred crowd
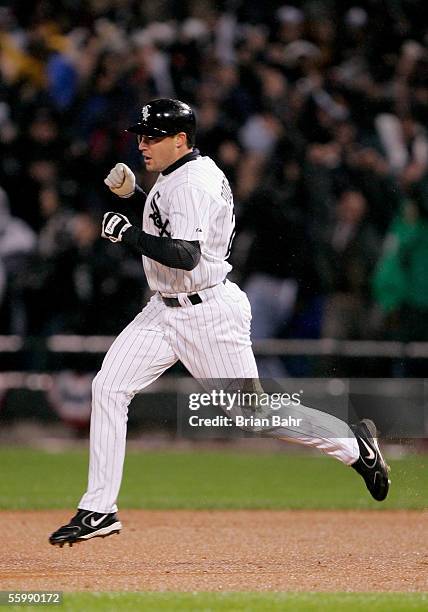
[(316, 111)]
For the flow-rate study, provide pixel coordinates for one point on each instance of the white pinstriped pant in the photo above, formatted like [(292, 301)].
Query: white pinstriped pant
[(212, 340)]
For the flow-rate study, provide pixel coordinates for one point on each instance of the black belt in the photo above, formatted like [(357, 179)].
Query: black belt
[(173, 302)]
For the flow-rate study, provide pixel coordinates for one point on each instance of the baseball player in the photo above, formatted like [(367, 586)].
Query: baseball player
[(196, 315)]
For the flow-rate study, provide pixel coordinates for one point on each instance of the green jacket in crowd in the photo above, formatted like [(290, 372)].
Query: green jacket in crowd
[(401, 275)]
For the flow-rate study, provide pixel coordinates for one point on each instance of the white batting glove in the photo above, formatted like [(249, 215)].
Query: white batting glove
[(121, 181), (114, 225)]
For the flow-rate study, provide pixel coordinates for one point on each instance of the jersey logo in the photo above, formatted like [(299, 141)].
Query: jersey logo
[(96, 522), (145, 113), (157, 217)]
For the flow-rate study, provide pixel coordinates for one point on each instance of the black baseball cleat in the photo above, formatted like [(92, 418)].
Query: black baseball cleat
[(370, 464), (86, 525)]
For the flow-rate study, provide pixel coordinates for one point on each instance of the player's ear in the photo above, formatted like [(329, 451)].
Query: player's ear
[(181, 140)]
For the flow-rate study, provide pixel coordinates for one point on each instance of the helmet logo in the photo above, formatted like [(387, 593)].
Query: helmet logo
[(145, 112)]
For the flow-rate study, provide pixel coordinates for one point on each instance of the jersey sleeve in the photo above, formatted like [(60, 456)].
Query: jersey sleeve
[(189, 213)]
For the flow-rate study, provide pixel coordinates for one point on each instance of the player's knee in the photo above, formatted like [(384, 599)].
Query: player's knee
[(99, 386), (106, 393)]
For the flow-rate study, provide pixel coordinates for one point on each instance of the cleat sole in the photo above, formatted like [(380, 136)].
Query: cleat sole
[(78, 540)]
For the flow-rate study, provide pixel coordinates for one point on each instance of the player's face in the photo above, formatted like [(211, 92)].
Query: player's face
[(159, 153)]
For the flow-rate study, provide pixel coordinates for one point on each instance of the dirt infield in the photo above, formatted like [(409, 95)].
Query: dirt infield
[(222, 551)]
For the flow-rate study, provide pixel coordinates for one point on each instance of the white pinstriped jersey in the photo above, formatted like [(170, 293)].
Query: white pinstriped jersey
[(194, 202)]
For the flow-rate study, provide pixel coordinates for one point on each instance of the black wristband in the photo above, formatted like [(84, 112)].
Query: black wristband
[(140, 192)]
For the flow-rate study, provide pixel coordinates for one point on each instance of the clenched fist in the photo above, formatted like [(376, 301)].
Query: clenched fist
[(121, 180)]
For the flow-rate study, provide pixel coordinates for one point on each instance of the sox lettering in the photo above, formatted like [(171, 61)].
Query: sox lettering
[(157, 217)]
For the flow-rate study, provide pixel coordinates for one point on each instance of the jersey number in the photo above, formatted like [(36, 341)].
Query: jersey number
[(232, 236), (226, 194)]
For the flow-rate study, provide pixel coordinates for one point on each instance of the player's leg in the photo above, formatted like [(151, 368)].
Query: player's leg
[(212, 339), (354, 445), (138, 356)]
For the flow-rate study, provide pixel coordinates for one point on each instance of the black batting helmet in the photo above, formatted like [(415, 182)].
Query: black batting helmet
[(166, 117)]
